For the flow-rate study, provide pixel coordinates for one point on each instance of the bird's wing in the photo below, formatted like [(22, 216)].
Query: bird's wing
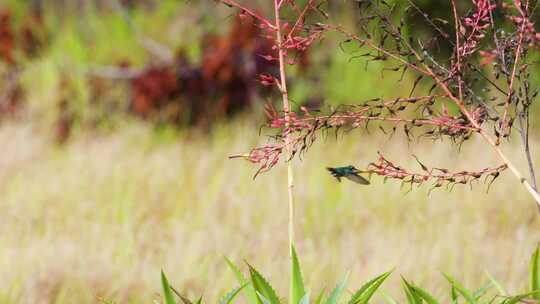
[(357, 179), (334, 173)]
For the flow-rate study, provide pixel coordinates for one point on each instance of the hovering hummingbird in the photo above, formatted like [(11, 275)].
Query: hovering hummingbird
[(349, 172)]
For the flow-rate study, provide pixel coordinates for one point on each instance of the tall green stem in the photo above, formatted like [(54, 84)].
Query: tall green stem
[(286, 109)]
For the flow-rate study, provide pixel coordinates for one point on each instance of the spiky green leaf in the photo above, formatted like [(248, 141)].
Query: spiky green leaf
[(461, 290), (249, 291), (263, 299), (389, 298), (454, 295), (519, 298), (318, 300), (412, 296), (498, 286), (297, 291), (423, 294), (229, 297), (262, 287), (364, 293), (167, 293), (333, 298), (305, 299), (481, 291)]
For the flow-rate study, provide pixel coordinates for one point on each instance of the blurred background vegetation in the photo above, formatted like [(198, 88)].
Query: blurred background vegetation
[(116, 120)]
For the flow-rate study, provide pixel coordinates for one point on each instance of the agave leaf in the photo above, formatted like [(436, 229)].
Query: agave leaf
[(364, 293), (336, 292), (199, 301), (305, 299), (389, 298), (519, 298), (454, 295), (534, 284), (412, 297), (249, 292), (262, 287), (461, 290), (297, 284), (481, 291), (263, 299), (167, 293), (497, 285), (426, 296), (229, 297)]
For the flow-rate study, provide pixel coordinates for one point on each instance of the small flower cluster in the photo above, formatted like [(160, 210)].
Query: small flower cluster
[(384, 167), (297, 38), (480, 101), (476, 26), (524, 24), (304, 127), (266, 157)]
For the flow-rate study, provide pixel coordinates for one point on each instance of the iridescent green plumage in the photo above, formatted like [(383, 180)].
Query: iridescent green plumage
[(350, 173)]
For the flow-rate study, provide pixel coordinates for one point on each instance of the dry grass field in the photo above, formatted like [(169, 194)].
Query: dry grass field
[(102, 215)]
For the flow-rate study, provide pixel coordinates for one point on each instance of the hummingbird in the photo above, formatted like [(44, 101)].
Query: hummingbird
[(349, 172)]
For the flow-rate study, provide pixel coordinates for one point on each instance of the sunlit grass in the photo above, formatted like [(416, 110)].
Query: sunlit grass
[(102, 216)]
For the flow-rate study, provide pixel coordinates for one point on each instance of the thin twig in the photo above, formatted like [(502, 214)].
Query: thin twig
[(517, 54), (426, 70), (524, 132), (458, 55), (249, 12)]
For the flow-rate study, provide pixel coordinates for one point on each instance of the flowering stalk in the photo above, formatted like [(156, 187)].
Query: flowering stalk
[(452, 81), (282, 85)]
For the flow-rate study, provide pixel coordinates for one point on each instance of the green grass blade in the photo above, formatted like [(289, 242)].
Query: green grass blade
[(229, 297), (534, 284), (263, 299), (262, 287), (333, 298), (461, 290), (167, 293), (305, 299), (498, 286), (389, 298), (249, 291), (318, 300), (412, 297), (480, 292), (426, 296), (454, 295), (519, 298), (297, 291), (364, 293)]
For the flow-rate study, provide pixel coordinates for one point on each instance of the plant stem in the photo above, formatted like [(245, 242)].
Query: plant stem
[(286, 110), (490, 141)]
